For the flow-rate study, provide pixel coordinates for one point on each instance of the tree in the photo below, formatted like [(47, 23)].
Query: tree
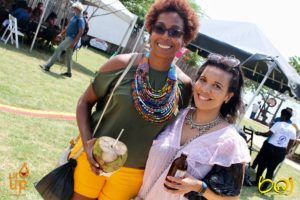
[(140, 8), (295, 62)]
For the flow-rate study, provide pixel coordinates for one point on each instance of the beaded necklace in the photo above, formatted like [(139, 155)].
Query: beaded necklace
[(154, 105)]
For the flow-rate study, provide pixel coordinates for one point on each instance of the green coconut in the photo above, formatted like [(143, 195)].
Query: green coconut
[(109, 156)]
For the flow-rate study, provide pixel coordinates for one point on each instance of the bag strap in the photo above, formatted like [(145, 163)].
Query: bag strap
[(130, 63)]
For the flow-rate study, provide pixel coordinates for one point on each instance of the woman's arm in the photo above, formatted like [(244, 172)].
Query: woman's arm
[(190, 184), (83, 116), (223, 183), (85, 105)]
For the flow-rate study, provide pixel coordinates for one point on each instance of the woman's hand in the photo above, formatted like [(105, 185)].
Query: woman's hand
[(95, 167), (183, 186)]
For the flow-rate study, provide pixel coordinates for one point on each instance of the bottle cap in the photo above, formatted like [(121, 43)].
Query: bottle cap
[(184, 154)]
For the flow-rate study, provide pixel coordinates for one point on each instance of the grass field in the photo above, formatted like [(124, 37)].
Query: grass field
[(39, 142)]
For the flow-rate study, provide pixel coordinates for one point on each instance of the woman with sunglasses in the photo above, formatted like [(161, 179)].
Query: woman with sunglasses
[(205, 133), (147, 100)]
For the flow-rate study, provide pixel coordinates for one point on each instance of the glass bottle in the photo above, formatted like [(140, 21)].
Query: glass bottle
[(178, 168)]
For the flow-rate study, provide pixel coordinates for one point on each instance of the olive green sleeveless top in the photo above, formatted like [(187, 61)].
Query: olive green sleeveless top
[(121, 114)]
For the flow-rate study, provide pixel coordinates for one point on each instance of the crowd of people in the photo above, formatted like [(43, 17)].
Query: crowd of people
[(28, 19)]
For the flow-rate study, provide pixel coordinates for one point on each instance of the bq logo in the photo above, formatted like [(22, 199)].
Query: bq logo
[(281, 186), (17, 180)]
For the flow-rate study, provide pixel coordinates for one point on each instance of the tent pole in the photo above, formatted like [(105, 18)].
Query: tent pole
[(138, 39), (123, 38), (132, 23), (38, 28), (270, 69)]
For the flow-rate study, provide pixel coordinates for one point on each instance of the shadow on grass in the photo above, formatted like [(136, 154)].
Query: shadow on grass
[(80, 68), (55, 75)]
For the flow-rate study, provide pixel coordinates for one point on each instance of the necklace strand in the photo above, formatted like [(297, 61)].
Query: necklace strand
[(201, 128), (154, 105)]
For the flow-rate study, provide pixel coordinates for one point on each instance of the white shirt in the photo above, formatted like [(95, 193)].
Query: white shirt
[(283, 132), (255, 108)]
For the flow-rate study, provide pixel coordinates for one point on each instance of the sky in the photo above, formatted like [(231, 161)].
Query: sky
[(278, 20)]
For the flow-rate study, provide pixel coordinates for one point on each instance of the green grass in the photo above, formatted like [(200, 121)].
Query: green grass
[(251, 193), (39, 142), (24, 84)]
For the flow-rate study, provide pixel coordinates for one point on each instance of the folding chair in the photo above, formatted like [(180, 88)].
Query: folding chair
[(14, 34), (249, 134)]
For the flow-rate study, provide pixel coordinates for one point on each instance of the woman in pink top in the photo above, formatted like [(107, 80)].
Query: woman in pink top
[(205, 133)]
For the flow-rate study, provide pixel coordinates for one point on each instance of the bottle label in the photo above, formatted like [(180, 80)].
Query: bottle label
[(179, 173)]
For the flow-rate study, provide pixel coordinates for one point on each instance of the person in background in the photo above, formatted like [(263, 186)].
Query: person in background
[(73, 33), (278, 119), (51, 20), (282, 136), (85, 37), (255, 109), (21, 13), (37, 12), (259, 155)]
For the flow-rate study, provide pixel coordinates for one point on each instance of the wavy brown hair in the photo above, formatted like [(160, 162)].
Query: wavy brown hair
[(182, 8)]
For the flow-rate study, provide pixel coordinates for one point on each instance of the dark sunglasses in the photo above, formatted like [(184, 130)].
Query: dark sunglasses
[(229, 61), (172, 32)]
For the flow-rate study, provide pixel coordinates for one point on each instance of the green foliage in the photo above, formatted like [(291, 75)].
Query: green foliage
[(295, 62), (193, 59), (196, 7), (140, 8)]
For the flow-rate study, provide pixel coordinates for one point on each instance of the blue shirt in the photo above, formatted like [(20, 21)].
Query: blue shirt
[(76, 23), (21, 14)]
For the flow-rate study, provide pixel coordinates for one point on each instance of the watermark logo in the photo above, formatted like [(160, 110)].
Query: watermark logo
[(17, 180)]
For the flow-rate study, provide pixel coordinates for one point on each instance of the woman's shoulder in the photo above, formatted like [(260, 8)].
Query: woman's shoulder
[(118, 62), (229, 132), (185, 79)]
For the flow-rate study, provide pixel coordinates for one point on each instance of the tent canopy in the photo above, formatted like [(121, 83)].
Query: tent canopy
[(112, 6), (246, 42)]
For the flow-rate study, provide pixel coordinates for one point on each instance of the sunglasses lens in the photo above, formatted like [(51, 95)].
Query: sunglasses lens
[(232, 62), (215, 57), (159, 29), (174, 33), (229, 61)]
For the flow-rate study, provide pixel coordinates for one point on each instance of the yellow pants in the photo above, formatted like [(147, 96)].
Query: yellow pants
[(122, 185)]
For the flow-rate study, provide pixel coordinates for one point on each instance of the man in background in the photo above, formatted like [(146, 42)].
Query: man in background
[(73, 33), (255, 109), (281, 138)]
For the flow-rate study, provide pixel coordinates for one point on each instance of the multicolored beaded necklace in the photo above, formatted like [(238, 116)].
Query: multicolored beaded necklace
[(154, 105)]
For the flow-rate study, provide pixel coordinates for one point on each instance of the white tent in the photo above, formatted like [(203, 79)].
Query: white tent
[(246, 36), (110, 21), (250, 45), (106, 9)]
